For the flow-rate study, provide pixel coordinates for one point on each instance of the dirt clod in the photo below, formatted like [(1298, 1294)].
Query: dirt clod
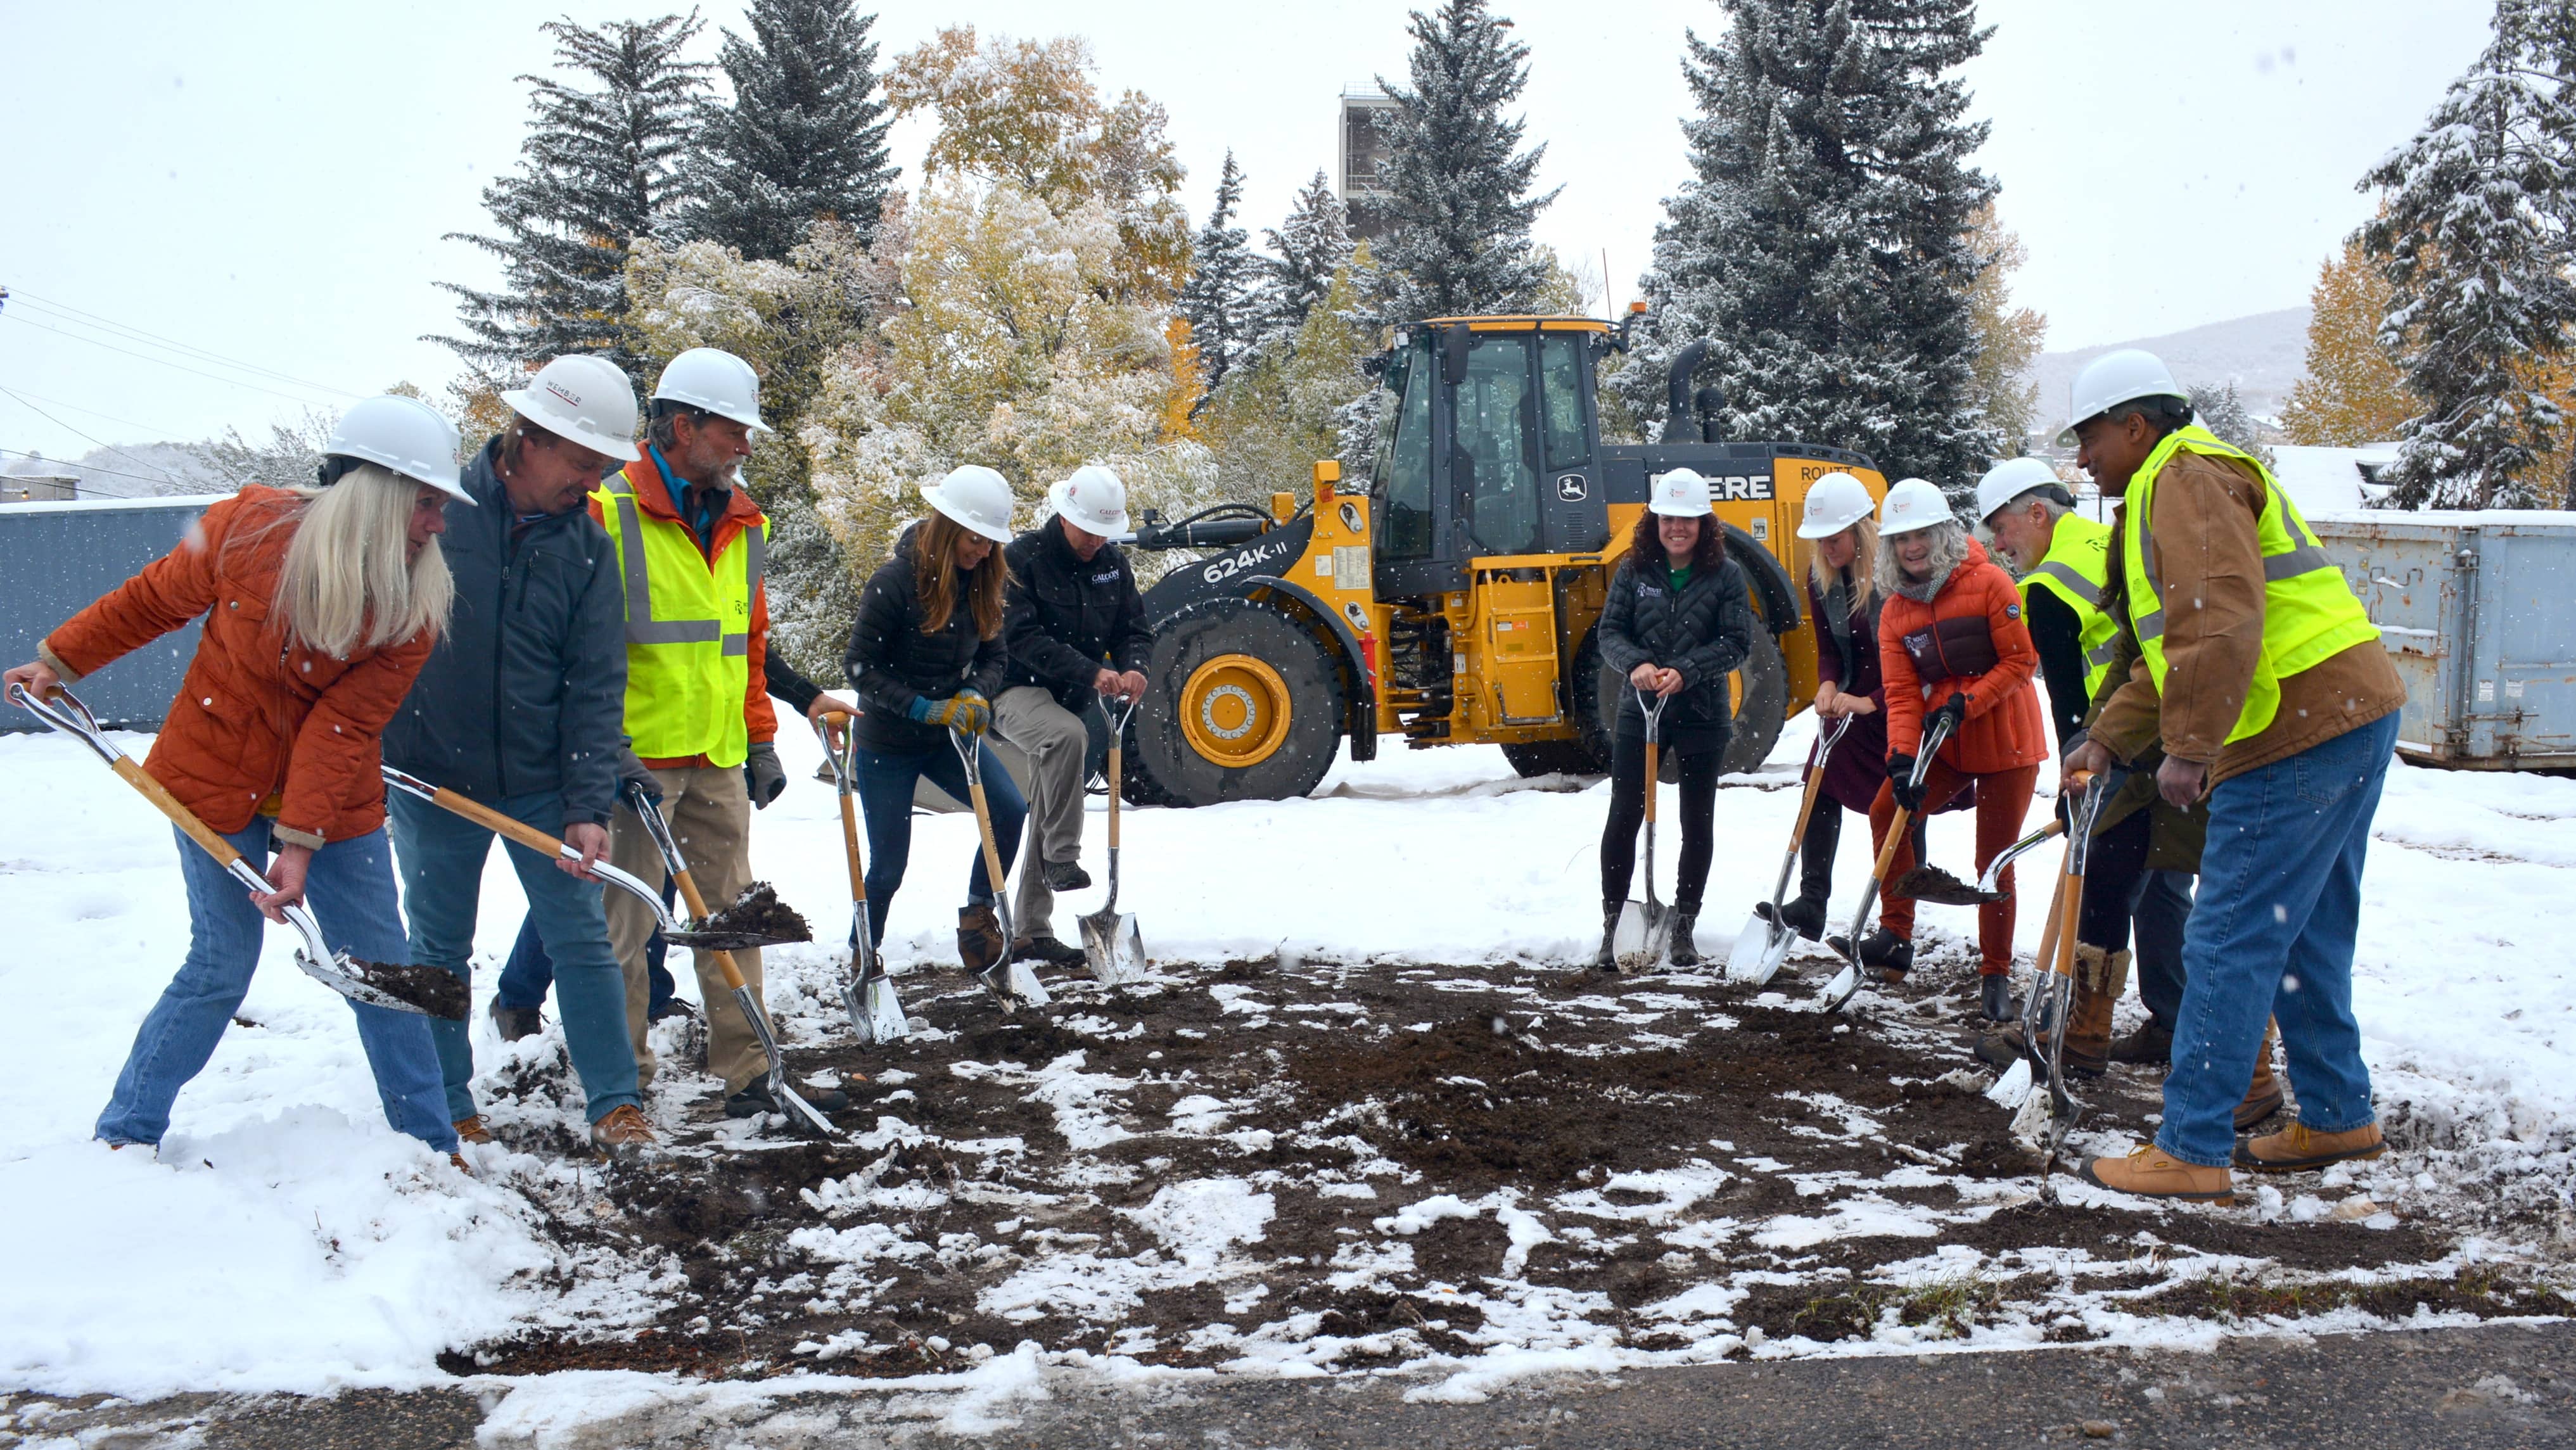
[(757, 913), (435, 990)]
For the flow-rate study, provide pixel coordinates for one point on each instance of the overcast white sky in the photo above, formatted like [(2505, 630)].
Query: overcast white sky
[(267, 182)]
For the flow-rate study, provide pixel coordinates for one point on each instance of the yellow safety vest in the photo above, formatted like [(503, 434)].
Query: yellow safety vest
[(2309, 614), (2078, 570), (688, 629)]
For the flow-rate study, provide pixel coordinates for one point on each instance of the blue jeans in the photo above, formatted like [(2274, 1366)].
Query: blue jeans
[(885, 798), (350, 887), (442, 856), (2271, 936), (529, 973), (2161, 914)]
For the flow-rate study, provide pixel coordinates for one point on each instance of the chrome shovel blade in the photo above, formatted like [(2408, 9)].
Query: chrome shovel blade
[(1014, 986), (1751, 945), (350, 986), (1113, 947), (876, 1013), (779, 1092), (2011, 1090), (2033, 1121), (1840, 989), (1654, 937)]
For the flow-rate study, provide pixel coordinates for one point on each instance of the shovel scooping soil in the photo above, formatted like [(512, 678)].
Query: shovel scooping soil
[(435, 990), (1932, 884), (757, 918)]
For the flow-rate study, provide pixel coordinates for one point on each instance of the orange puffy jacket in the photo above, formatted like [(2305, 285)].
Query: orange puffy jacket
[(2004, 729), (257, 716)]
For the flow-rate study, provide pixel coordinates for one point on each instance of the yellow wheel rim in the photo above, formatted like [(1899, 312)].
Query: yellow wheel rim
[(1234, 711)]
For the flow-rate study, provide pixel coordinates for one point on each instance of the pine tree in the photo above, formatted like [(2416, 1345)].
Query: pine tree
[(599, 168), (1826, 238), (1311, 246), (1458, 204), (2218, 408), (1223, 297), (804, 136), (2474, 246), (2353, 393)]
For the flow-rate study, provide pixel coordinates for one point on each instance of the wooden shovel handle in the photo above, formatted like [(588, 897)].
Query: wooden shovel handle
[(1887, 853), (168, 804), (1116, 759), (490, 819), (2048, 930), (2069, 906), (1807, 804), (1654, 767), (993, 875), (697, 913), (850, 845)]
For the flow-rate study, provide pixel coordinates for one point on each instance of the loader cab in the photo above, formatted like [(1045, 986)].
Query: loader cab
[(1491, 448)]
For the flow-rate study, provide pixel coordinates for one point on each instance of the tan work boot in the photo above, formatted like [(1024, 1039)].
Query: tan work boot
[(2150, 1172), (2100, 978), (2295, 1149), (473, 1130), (979, 937), (2263, 1094), (623, 1133)]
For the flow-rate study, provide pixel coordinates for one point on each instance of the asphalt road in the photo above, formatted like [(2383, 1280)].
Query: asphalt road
[(2470, 1389)]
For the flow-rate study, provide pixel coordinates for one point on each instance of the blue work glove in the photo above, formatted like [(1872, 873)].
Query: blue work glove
[(762, 775)]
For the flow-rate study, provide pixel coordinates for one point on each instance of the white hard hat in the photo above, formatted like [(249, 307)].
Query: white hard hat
[(403, 434), (976, 497), (715, 380), (2011, 479), (1093, 498), (1835, 502), (1680, 494), (1912, 504), (2121, 376), (583, 399)]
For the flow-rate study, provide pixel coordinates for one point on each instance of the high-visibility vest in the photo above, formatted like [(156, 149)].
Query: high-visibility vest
[(688, 629), (2078, 571), (2309, 614)]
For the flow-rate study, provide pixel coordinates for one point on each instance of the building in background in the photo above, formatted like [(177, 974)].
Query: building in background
[(1365, 150), (37, 479)]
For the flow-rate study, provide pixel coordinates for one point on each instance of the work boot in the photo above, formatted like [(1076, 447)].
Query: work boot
[(2295, 1149), (1046, 951), (1892, 956), (623, 1133), (2263, 1094), (1607, 959), (1066, 876), (1802, 914), (1684, 951), (2150, 1046), (676, 1007), (516, 1022), (979, 937), (1805, 913), (1995, 998), (2100, 977), (2149, 1172), (755, 1099), (473, 1130)]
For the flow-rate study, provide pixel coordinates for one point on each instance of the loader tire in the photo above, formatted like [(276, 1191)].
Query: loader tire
[(1241, 703), (1760, 687), (1550, 757)]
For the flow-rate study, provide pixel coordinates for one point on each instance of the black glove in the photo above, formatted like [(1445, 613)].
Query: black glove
[(1900, 781), (1954, 710), (762, 775), (634, 775)]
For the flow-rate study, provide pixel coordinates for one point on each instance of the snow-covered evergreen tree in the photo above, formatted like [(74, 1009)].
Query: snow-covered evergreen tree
[(1458, 189), (2218, 408), (1826, 236), (1223, 298), (804, 136), (1311, 246), (2474, 244), (599, 168)]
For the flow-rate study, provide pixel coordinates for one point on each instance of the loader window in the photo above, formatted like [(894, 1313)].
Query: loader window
[(1497, 421), (1560, 364), (1404, 456)]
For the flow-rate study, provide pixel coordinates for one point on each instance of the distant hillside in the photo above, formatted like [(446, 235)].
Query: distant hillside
[(2263, 354)]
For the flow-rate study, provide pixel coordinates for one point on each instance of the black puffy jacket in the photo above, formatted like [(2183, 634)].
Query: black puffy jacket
[(526, 691), (1704, 632), (892, 663), (1068, 619)]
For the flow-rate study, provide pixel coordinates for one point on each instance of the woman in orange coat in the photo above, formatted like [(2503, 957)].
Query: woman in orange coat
[(1952, 644), (320, 605)]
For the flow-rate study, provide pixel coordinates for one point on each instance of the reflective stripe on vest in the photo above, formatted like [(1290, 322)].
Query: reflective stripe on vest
[(2078, 571), (2309, 613), (688, 630)]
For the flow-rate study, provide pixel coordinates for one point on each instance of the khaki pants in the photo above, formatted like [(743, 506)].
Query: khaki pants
[(709, 811), (1054, 740)]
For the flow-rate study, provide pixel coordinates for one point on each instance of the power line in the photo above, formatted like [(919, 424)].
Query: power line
[(23, 321), (59, 423), (68, 313), (79, 487), (171, 434)]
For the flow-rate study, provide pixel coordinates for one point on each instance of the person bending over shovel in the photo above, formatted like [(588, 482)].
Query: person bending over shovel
[(319, 605), (1678, 621)]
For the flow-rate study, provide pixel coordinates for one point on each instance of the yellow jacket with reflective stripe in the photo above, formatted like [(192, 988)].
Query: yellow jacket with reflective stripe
[(2078, 570), (691, 624), (2309, 613)]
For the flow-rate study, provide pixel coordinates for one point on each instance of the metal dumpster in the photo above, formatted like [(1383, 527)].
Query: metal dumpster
[(60, 556), (2478, 610)]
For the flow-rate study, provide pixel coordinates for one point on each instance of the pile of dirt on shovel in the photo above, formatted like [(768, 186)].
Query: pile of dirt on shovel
[(435, 990), (758, 912), (1353, 1166)]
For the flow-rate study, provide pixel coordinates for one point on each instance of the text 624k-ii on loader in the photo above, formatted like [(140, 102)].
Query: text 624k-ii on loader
[(1454, 600)]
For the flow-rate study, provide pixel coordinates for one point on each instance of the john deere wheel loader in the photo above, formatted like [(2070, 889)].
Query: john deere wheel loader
[(1454, 600)]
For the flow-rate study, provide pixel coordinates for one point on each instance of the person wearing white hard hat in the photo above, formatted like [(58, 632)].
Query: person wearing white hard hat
[(1952, 645), (1076, 632), (319, 605), (691, 546), (2264, 683), (522, 708), (1678, 620), (927, 656)]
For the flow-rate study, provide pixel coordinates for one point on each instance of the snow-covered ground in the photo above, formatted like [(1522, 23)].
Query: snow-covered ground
[(286, 1239)]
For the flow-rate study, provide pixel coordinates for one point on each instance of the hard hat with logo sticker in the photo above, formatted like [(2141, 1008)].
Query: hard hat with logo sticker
[(1912, 504), (1680, 494), (976, 497), (403, 434), (1094, 498), (584, 399), (1835, 502)]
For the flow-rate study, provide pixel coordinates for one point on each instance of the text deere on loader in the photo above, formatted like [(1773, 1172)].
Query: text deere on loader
[(1454, 601)]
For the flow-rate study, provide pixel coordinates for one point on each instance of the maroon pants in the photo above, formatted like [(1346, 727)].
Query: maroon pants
[(2003, 798)]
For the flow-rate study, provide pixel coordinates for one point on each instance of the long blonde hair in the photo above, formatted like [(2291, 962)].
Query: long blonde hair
[(348, 581), (1864, 565)]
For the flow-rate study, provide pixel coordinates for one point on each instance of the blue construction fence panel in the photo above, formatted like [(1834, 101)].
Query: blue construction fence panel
[(61, 556)]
